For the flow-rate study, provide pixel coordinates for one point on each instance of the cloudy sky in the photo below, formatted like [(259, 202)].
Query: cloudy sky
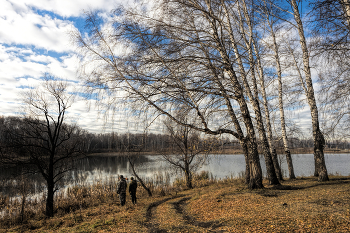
[(34, 40)]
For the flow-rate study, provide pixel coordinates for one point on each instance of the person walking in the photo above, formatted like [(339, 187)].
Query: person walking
[(121, 190), (132, 190)]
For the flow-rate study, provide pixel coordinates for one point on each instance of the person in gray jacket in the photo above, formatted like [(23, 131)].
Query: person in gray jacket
[(121, 190)]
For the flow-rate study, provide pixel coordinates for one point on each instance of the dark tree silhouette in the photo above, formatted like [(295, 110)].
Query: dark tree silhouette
[(43, 138)]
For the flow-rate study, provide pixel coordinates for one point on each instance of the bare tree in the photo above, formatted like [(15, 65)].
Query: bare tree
[(189, 152), (268, 11), (331, 25), (319, 142), (189, 63), (43, 138), (131, 160), (246, 27), (334, 15), (306, 83)]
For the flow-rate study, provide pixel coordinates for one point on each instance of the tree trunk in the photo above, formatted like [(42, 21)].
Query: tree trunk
[(346, 7), (188, 177), (267, 116), (270, 164), (255, 173), (50, 187), (22, 206), (320, 165), (132, 165), (283, 124), (187, 171), (316, 166), (290, 165), (276, 164), (270, 169), (49, 199), (247, 166), (280, 104)]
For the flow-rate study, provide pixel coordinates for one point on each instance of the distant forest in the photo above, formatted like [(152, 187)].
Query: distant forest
[(157, 143), (116, 142)]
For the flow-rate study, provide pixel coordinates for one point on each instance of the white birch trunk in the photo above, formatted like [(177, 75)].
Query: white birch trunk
[(280, 104), (320, 165), (255, 180), (346, 7), (266, 150), (267, 117)]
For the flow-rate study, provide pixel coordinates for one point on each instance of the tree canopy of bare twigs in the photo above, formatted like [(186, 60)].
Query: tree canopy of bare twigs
[(230, 65), (190, 55), (331, 24), (43, 138), (188, 151)]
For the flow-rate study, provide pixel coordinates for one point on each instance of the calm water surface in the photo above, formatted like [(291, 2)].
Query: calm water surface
[(220, 166), (94, 168)]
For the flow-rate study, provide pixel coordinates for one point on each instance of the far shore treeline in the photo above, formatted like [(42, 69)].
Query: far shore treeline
[(118, 143)]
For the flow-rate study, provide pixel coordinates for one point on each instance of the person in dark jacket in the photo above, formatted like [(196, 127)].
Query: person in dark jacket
[(132, 190), (121, 190)]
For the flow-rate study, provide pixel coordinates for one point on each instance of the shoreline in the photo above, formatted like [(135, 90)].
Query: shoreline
[(224, 152), (230, 203)]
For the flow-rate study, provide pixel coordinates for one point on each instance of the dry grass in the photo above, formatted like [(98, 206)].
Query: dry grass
[(302, 205), (297, 206)]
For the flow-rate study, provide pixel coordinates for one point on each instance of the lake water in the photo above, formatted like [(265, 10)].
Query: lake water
[(220, 166), (93, 168)]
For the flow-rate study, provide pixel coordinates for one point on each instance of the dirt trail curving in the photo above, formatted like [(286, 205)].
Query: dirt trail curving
[(179, 207), (149, 223), (210, 226)]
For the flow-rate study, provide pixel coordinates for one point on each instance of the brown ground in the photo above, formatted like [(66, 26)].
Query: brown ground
[(302, 205)]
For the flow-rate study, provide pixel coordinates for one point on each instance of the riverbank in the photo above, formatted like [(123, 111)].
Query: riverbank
[(301, 205), (228, 152)]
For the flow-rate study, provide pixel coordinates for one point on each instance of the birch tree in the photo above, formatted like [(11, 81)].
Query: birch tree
[(267, 12), (242, 14), (319, 141), (179, 59)]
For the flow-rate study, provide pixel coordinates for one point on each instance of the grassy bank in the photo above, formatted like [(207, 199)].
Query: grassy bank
[(302, 205)]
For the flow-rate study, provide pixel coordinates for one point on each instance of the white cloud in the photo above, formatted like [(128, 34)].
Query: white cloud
[(20, 62), (28, 28), (18, 68), (21, 68), (41, 58), (67, 8), (65, 69), (21, 25)]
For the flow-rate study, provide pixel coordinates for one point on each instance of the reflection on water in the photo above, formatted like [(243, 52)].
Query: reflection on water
[(106, 167), (94, 168)]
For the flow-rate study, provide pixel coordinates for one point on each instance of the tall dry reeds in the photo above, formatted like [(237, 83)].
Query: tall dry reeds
[(84, 195)]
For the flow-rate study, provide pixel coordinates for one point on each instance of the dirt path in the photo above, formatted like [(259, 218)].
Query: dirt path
[(179, 207), (210, 226), (149, 223)]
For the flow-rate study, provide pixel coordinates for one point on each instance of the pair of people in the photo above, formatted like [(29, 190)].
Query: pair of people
[(121, 190)]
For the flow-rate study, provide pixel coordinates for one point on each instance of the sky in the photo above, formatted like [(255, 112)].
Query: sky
[(34, 40)]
